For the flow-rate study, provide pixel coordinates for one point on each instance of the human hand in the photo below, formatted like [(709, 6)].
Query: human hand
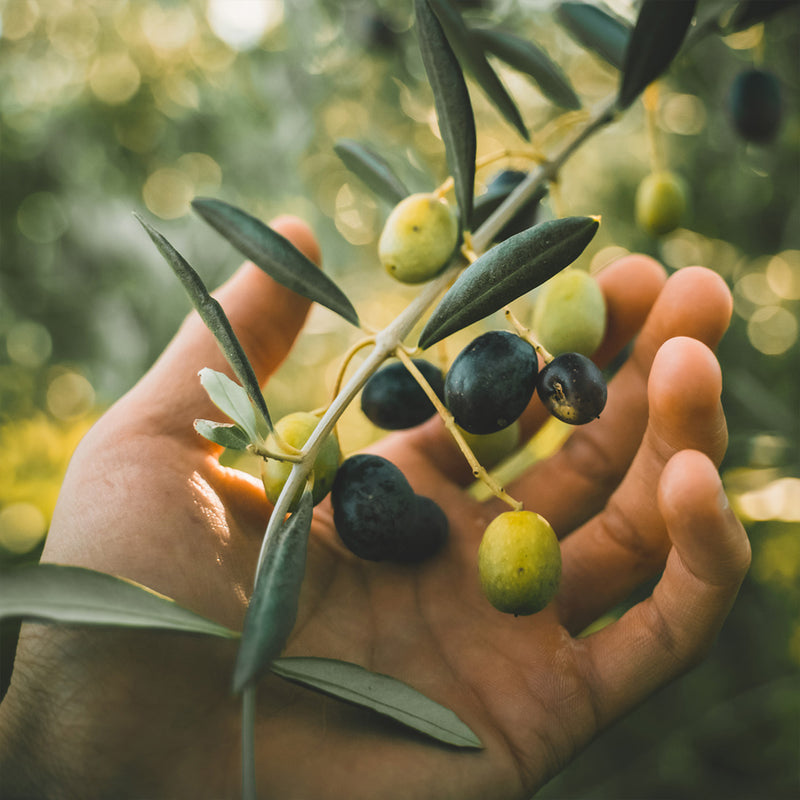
[(102, 713)]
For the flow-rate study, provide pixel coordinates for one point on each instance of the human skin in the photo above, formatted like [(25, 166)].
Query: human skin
[(102, 713)]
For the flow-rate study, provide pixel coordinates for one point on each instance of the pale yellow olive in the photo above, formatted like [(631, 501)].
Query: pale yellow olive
[(519, 562), (491, 448), (295, 429), (570, 313), (418, 238), (660, 203)]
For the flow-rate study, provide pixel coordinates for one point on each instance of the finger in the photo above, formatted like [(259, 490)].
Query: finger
[(630, 286), (624, 545), (673, 629), (695, 302), (266, 318)]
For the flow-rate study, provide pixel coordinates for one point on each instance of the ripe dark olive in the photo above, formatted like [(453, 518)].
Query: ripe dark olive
[(755, 106), (378, 516), (500, 187), (572, 389), (393, 400), (491, 382)]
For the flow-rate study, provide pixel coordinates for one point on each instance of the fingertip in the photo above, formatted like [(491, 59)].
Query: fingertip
[(299, 233)]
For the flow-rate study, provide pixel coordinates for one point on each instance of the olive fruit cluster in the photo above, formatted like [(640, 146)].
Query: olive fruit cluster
[(294, 430), (418, 238), (756, 106), (660, 203), (379, 517), (493, 379)]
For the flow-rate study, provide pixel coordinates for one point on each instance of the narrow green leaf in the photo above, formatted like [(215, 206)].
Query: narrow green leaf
[(596, 30), (273, 607), (230, 436), (388, 696), (750, 12), (657, 36), (506, 272), (527, 58), (275, 254), (372, 169), (231, 399), (471, 55), (453, 106), (214, 318), (56, 593)]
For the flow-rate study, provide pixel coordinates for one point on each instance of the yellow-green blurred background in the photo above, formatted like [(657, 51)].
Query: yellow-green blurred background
[(114, 106)]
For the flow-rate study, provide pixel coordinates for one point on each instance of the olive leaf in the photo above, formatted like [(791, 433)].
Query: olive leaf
[(275, 254), (273, 607), (56, 593), (216, 321), (233, 400), (596, 30), (231, 436), (527, 58), (506, 272), (453, 106), (750, 12), (657, 36), (381, 693), (472, 56), (372, 169)]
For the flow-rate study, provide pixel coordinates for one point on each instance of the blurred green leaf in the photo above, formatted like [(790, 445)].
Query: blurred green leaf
[(471, 55), (273, 607), (215, 320), (55, 593), (595, 30), (275, 254), (527, 58), (506, 272), (657, 36), (751, 12), (230, 436), (453, 106), (230, 398), (386, 695), (372, 169)]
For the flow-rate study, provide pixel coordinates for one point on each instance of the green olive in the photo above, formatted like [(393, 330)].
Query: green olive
[(418, 238), (519, 562), (570, 313), (295, 429), (660, 203), (491, 448)]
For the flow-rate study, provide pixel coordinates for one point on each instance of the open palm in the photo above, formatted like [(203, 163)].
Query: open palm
[(135, 714)]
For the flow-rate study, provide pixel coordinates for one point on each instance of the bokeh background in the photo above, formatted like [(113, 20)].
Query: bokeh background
[(114, 106)]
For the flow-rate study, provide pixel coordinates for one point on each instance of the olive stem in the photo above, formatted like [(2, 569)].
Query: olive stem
[(478, 470), (650, 100), (265, 452), (348, 357), (527, 335)]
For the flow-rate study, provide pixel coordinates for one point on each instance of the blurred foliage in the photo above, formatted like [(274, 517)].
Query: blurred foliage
[(119, 106)]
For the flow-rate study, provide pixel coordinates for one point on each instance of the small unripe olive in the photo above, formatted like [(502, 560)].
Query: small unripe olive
[(570, 313), (660, 203), (492, 448), (295, 429), (418, 239), (519, 562), (756, 106)]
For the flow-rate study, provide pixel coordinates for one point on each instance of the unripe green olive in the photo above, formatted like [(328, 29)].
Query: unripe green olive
[(660, 203), (491, 448), (295, 429), (570, 313), (519, 562), (418, 238)]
